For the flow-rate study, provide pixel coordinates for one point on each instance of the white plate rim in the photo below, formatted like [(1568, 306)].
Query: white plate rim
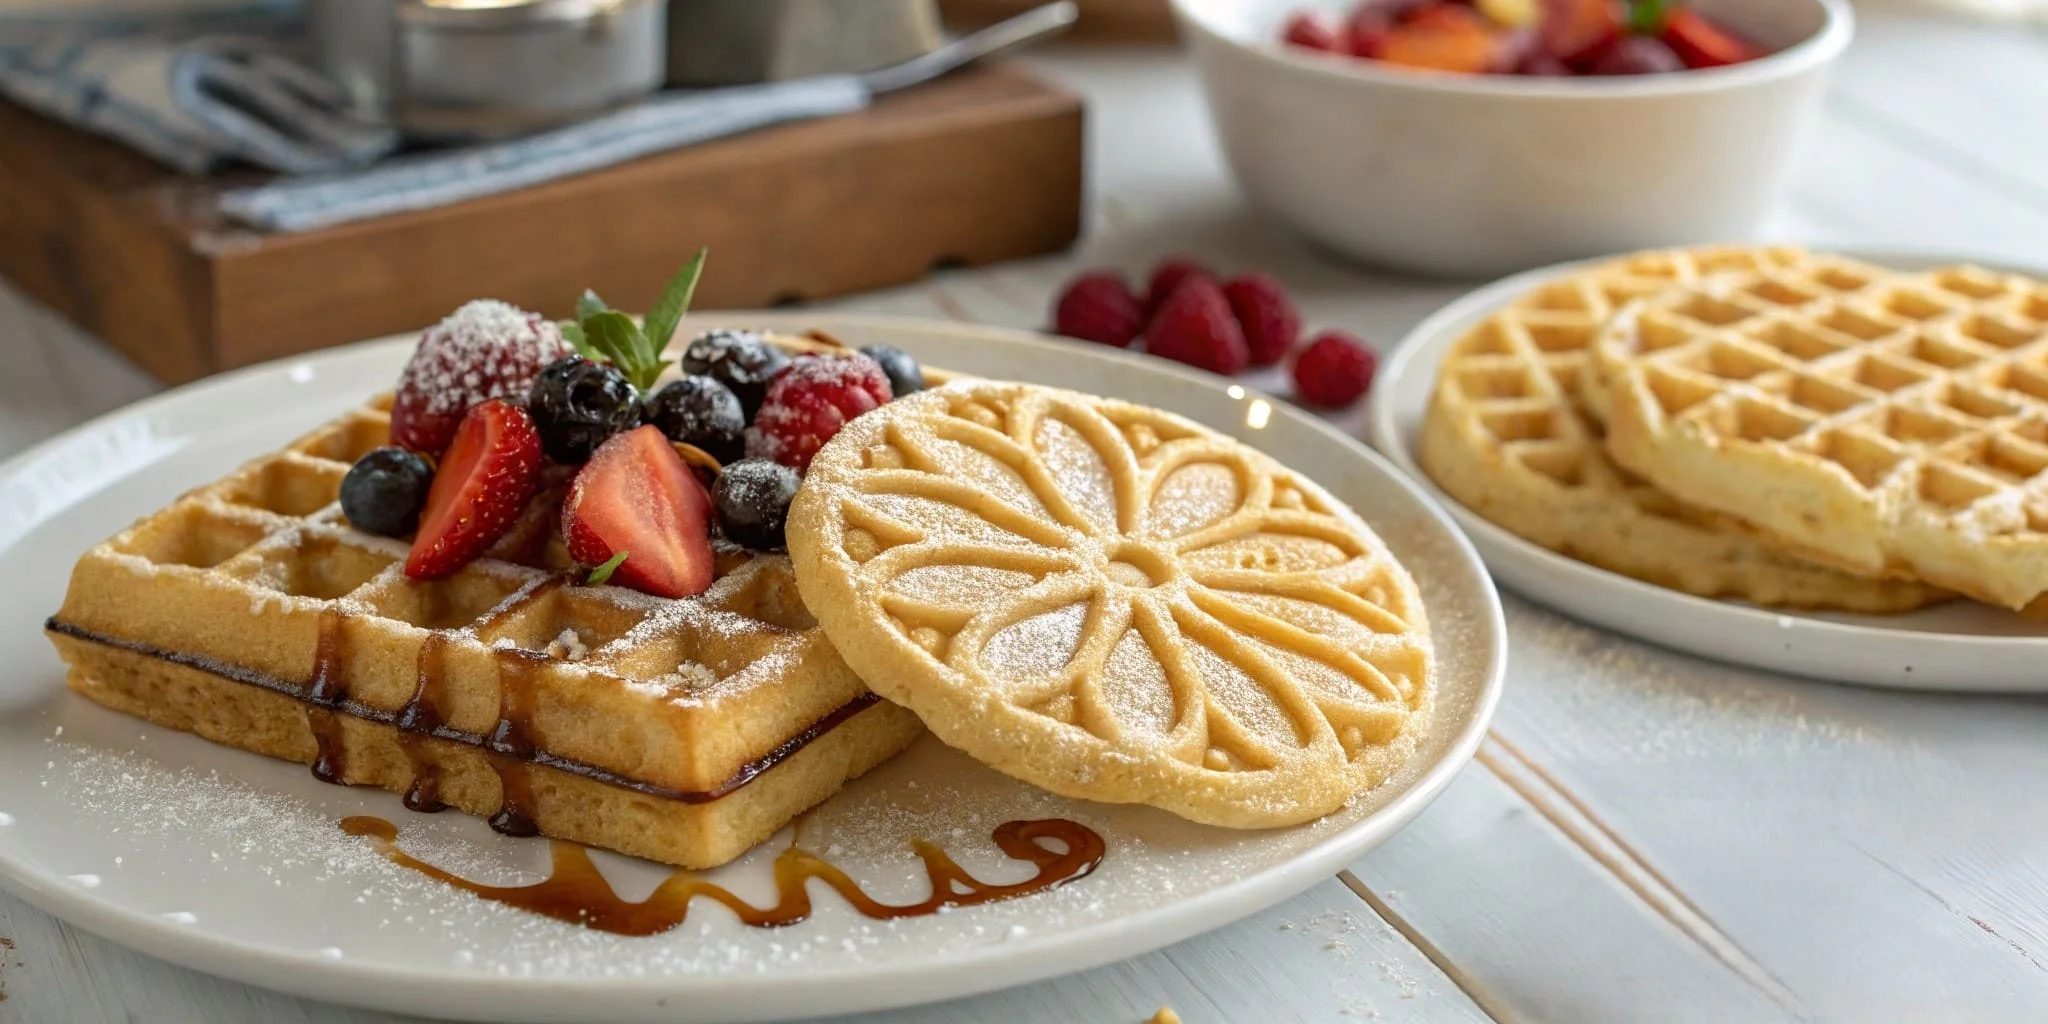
[(389, 988), (1626, 605)]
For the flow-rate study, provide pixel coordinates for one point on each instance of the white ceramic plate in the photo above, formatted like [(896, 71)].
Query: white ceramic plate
[(234, 864), (1956, 646)]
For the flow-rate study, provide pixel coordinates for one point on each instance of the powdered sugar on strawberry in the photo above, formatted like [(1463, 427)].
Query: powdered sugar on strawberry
[(487, 349)]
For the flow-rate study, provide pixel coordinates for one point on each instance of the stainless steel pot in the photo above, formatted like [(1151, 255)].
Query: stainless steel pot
[(724, 42), (469, 69)]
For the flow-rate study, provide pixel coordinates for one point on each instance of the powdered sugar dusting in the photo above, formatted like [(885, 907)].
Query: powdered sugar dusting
[(568, 647), (1040, 644), (692, 675), (481, 335)]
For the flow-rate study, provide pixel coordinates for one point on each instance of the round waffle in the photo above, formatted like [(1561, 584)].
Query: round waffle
[(1888, 423), (1514, 433), (1114, 603)]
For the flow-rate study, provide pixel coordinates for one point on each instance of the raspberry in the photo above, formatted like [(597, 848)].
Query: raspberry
[(1334, 370), (1312, 30), (1170, 275), (1098, 306), (808, 404), (1270, 321), (1196, 327), (485, 350)]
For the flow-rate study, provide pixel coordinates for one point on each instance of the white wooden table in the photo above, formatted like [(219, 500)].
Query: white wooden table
[(1646, 837)]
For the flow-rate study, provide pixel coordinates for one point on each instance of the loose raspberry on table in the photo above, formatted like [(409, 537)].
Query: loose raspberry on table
[(1098, 306), (807, 405), (485, 350), (1196, 327), (1169, 276), (1334, 370), (1266, 313)]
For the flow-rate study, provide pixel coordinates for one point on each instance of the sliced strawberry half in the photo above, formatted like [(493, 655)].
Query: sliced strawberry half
[(1578, 30), (1702, 44), (636, 497), (486, 478)]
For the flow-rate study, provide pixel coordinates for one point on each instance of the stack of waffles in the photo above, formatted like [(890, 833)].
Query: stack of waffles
[(251, 613), (1772, 425)]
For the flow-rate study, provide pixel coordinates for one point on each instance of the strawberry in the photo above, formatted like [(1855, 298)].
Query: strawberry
[(636, 507), (1196, 327), (1702, 44), (1577, 30), (488, 475), (484, 350), (1266, 313)]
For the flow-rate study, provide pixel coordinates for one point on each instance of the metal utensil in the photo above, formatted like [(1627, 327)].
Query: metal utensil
[(1029, 27), (732, 42), (673, 119), (478, 69)]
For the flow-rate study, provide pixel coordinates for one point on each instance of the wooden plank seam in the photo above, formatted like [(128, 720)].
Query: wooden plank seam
[(1474, 989), (1571, 816)]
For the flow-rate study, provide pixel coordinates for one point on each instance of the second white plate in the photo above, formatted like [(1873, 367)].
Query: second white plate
[(1957, 646)]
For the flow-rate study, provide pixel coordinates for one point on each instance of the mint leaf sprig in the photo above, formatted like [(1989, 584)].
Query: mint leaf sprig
[(605, 334), (1647, 17), (602, 574)]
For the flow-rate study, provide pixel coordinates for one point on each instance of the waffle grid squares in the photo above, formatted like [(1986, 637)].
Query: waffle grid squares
[(258, 573), (1926, 391), (1515, 430)]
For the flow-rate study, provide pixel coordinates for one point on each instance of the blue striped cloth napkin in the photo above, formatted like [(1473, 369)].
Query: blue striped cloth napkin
[(197, 84)]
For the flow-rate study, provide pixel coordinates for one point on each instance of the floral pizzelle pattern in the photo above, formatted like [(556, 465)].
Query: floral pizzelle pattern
[(1111, 569)]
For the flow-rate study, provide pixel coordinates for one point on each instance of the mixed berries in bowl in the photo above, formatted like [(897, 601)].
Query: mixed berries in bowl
[(1476, 139), (645, 467), (1535, 38)]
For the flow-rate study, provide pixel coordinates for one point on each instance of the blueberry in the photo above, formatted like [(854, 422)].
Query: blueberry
[(753, 497), (385, 490), (744, 361), (702, 412), (577, 404), (905, 376)]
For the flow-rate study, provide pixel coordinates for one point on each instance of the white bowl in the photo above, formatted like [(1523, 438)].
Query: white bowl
[(1480, 175)]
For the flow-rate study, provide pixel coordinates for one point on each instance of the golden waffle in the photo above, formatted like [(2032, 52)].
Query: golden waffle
[(1891, 424), (1511, 433), (250, 613), (1114, 603)]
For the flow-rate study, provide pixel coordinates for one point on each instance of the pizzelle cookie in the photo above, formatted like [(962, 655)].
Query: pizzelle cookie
[(1513, 432), (1114, 603)]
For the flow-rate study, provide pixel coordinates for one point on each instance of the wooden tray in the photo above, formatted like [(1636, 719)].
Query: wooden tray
[(980, 167)]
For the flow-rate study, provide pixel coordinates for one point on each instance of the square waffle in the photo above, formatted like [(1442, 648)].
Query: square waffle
[(250, 613), (1891, 424)]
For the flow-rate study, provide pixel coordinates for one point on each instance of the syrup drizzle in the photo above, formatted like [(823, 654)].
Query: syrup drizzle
[(575, 892), (325, 694), (418, 720), (512, 743), (296, 690)]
